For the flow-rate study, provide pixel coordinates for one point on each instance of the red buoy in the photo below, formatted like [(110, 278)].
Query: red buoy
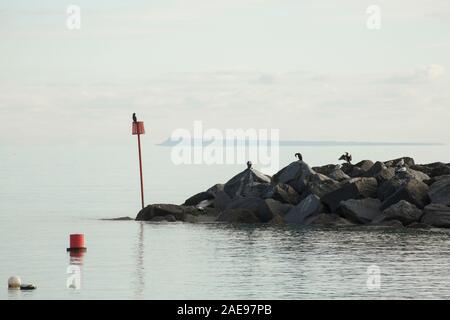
[(77, 242)]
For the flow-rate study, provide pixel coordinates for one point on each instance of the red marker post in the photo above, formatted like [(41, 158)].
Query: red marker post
[(138, 129)]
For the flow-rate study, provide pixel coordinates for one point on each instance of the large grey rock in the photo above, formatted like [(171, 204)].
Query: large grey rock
[(197, 198), (437, 215), (339, 175), (364, 165), (327, 219), (297, 174), (414, 174), (321, 187), (402, 211), (407, 160), (380, 172), (256, 189), (354, 189), (238, 216), (326, 169), (221, 200), (265, 210), (284, 193), (413, 191), (434, 169), (389, 187), (307, 207), (277, 208), (156, 210), (360, 211), (237, 185), (439, 191)]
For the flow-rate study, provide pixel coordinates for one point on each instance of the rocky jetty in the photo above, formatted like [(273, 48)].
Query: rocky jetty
[(397, 193)]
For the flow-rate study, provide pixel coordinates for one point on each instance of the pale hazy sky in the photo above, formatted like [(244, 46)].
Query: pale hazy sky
[(310, 68)]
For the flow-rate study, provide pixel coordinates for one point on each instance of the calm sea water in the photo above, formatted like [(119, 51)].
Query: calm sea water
[(46, 193)]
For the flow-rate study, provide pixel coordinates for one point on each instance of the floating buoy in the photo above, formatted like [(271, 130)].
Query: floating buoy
[(14, 282), (77, 243)]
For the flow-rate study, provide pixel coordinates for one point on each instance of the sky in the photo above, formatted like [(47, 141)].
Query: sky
[(311, 69)]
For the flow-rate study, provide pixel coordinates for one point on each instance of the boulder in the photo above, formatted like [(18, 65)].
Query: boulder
[(307, 207), (238, 216), (437, 215), (413, 191), (264, 210), (434, 169), (408, 162), (440, 170), (364, 165), (157, 212), (221, 200), (339, 175), (418, 175), (439, 191), (256, 189), (284, 193), (167, 218), (389, 187), (321, 188), (380, 172), (402, 211), (237, 185), (326, 169), (277, 219), (296, 174), (354, 189), (327, 219), (278, 208), (197, 198), (154, 210), (360, 211)]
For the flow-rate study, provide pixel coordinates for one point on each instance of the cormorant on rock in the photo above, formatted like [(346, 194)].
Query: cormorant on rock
[(346, 157), (249, 164), (299, 156), (134, 117)]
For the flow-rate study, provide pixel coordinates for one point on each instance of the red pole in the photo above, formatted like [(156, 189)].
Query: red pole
[(140, 170)]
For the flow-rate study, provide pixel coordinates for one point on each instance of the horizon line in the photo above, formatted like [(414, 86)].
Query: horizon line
[(286, 143)]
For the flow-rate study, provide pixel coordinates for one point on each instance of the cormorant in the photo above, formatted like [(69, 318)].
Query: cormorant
[(134, 117), (249, 164), (346, 157), (299, 156)]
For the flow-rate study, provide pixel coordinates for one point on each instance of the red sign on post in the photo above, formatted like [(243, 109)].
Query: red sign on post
[(138, 127)]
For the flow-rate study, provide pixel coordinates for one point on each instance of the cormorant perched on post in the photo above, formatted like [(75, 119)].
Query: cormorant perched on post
[(346, 157), (134, 117), (249, 164), (299, 156)]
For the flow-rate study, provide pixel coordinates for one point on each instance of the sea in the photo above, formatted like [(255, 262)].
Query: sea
[(50, 192)]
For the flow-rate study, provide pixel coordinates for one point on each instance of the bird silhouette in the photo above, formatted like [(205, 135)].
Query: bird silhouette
[(249, 164), (134, 117), (299, 156), (346, 157)]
